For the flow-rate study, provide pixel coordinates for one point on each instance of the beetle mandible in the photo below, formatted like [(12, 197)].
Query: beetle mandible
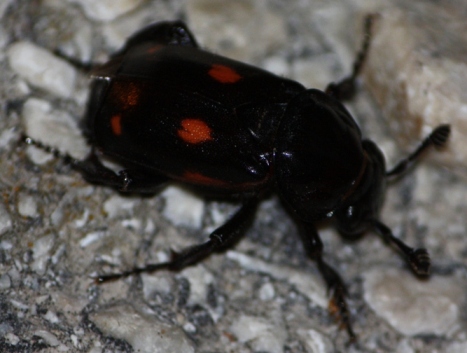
[(167, 110)]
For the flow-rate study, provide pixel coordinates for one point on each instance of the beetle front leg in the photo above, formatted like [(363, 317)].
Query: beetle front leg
[(224, 236), (338, 304)]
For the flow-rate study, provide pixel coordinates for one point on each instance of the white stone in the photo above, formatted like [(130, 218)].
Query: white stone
[(199, 279), (143, 332), (411, 306), (54, 128), (5, 282), (315, 341), (183, 208), (107, 10), (27, 206), (5, 220), (51, 340), (267, 292), (42, 69), (117, 205), (418, 76), (263, 334), (41, 250)]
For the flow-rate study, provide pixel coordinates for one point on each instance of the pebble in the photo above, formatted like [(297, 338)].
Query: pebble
[(143, 332), (182, 208), (315, 341), (411, 306), (41, 251), (199, 279), (27, 206), (117, 205), (53, 127), (107, 10), (51, 340), (5, 220), (262, 334), (418, 75), (42, 69)]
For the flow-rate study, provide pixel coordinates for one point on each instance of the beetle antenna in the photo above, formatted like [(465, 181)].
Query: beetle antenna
[(437, 138), (65, 157), (345, 89)]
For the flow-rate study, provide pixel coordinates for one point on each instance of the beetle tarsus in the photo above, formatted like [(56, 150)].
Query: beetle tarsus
[(418, 259), (438, 138), (420, 262)]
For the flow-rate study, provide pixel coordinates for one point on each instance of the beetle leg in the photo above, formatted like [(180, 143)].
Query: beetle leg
[(126, 180), (418, 259), (223, 237), (437, 138), (346, 88), (338, 304)]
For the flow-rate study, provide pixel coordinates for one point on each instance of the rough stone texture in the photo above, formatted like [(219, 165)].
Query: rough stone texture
[(42, 69), (57, 230), (418, 72), (415, 307)]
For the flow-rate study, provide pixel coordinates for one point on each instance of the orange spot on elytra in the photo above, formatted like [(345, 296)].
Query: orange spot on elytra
[(198, 178), (224, 74), (116, 124), (126, 94), (194, 131)]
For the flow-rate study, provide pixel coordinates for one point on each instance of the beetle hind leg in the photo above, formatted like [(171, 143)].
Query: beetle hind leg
[(219, 239)]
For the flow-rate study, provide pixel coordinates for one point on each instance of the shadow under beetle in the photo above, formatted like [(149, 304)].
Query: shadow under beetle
[(167, 110)]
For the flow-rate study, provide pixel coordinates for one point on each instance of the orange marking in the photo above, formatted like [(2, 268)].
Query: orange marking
[(126, 94), (198, 178), (224, 74), (194, 131), (116, 124), (133, 94)]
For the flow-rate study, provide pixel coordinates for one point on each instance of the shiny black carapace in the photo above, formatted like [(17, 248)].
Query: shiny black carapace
[(167, 110)]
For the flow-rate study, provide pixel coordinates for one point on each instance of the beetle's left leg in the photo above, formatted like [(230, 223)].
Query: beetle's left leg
[(346, 88), (223, 237), (92, 170), (338, 304), (126, 180)]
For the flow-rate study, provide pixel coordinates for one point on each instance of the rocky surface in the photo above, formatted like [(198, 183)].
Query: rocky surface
[(264, 295)]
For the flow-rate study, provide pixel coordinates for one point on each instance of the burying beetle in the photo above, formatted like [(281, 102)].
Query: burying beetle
[(167, 110)]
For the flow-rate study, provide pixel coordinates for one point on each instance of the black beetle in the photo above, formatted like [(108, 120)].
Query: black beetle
[(166, 109)]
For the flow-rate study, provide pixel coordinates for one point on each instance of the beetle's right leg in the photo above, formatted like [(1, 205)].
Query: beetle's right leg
[(223, 237), (338, 304), (346, 88)]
